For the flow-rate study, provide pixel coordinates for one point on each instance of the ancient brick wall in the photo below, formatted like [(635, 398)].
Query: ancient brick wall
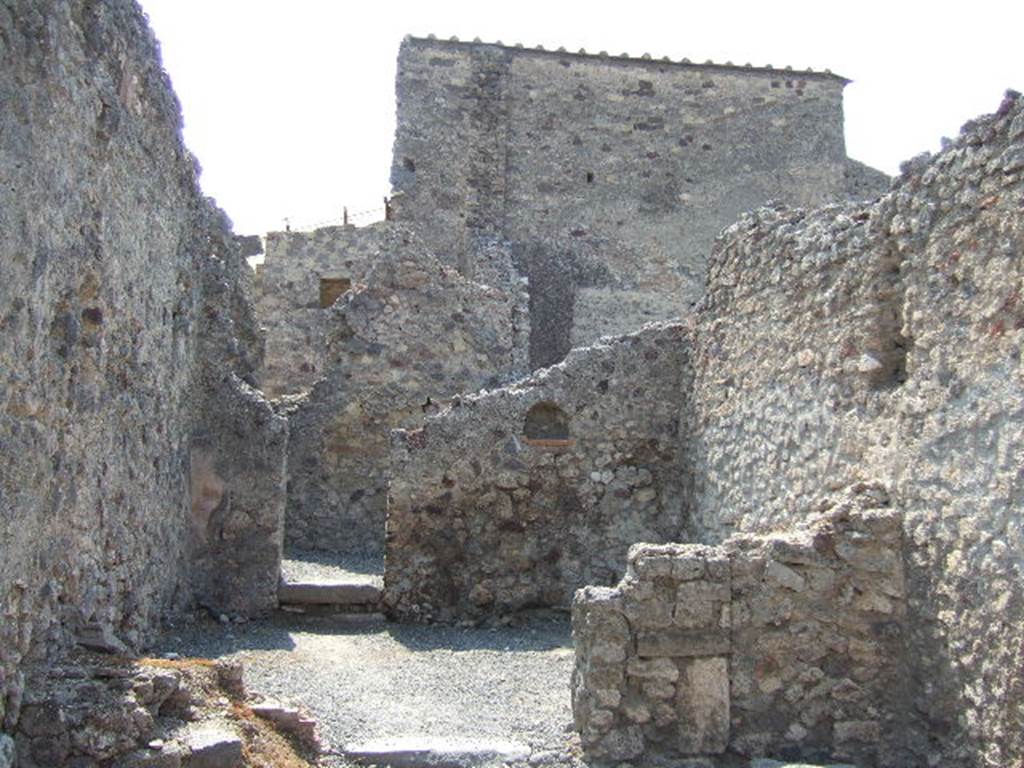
[(514, 498), (789, 645), (884, 341), (412, 335), (610, 176), (299, 277), (125, 329)]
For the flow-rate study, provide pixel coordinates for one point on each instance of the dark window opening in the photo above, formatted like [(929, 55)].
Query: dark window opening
[(331, 288), (409, 165), (590, 177)]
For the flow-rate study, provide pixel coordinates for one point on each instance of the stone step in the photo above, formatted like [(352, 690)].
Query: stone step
[(344, 594), (428, 752), (763, 762)]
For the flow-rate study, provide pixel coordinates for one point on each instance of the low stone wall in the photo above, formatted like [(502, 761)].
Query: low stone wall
[(514, 498), (785, 645)]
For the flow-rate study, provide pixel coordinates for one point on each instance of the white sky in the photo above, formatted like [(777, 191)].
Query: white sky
[(289, 104)]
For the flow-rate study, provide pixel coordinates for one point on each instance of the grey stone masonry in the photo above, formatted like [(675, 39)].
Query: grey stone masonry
[(786, 645), (884, 341), (414, 333), (609, 176), (515, 497), (302, 274), (141, 470)]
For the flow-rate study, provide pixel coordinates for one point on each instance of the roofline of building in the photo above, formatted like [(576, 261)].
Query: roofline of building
[(645, 59)]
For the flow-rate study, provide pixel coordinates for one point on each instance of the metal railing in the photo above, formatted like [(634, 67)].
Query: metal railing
[(347, 217)]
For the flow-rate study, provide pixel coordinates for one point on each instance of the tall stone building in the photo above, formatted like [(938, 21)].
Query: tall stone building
[(607, 176)]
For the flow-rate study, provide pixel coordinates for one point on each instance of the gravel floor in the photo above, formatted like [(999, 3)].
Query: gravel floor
[(327, 567), (372, 679)]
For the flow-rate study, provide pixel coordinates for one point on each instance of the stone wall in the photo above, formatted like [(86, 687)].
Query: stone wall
[(788, 645), (412, 335), (516, 497), (611, 176), (294, 286), (884, 341), (126, 337)]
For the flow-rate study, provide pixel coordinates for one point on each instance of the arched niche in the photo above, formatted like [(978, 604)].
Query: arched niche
[(546, 424)]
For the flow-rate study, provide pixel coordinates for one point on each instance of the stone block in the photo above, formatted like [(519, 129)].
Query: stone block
[(168, 756), (779, 575), (702, 704), (623, 744), (99, 637), (314, 593), (857, 731), (687, 567), (214, 747), (876, 559), (653, 669), (683, 643), (430, 752), (699, 604)]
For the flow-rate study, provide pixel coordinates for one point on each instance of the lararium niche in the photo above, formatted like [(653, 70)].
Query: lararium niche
[(546, 425)]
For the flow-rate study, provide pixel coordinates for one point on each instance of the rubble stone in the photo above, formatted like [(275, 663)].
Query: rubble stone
[(926, 281), (214, 747), (613, 211), (400, 346), (128, 347), (755, 678), (493, 506)]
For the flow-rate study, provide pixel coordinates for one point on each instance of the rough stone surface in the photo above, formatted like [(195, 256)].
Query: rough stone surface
[(609, 176), (293, 283), (606, 179), (94, 710), (7, 751), (214, 747), (329, 594), (126, 339), (437, 753), (516, 497), (810, 666), (884, 341), (414, 334), (839, 426)]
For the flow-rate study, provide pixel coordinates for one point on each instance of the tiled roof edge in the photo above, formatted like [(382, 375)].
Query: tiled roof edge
[(625, 57)]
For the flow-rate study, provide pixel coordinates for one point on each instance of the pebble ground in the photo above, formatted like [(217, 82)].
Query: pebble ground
[(369, 679)]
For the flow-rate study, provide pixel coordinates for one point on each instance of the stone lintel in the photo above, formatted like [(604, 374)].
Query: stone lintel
[(683, 642)]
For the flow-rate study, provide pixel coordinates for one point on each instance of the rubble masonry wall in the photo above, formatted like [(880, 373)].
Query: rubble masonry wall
[(289, 300), (787, 645), (401, 343), (514, 498), (124, 330), (884, 341), (609, 176)]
